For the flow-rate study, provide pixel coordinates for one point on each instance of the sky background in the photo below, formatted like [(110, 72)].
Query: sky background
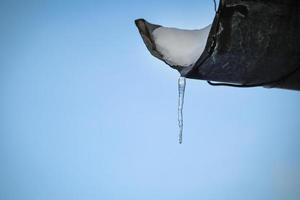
[(86, 113)]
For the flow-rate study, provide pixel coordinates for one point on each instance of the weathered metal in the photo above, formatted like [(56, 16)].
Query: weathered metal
[(251, 43)]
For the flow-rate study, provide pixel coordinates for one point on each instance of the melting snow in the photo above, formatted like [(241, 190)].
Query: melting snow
[(180, 47)]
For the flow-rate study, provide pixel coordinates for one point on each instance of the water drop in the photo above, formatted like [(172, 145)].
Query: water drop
[(181, 89)]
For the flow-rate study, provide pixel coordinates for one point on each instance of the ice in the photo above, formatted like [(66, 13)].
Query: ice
[(181, 89), (180, 47)]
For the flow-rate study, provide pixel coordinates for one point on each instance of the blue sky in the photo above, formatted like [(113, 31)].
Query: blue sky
[(87, 113)]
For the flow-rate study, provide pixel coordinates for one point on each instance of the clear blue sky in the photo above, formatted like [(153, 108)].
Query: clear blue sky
[(87, 113)]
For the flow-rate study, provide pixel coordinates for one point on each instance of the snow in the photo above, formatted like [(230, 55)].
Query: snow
[(180, 47)]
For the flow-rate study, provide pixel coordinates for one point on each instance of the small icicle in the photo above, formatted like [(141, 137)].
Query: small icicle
[(181, 89)]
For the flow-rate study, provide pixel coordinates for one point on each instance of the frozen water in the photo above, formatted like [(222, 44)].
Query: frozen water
[(181, 89), (180, 47)]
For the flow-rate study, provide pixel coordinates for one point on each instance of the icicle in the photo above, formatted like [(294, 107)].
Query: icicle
[(181, 89)]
